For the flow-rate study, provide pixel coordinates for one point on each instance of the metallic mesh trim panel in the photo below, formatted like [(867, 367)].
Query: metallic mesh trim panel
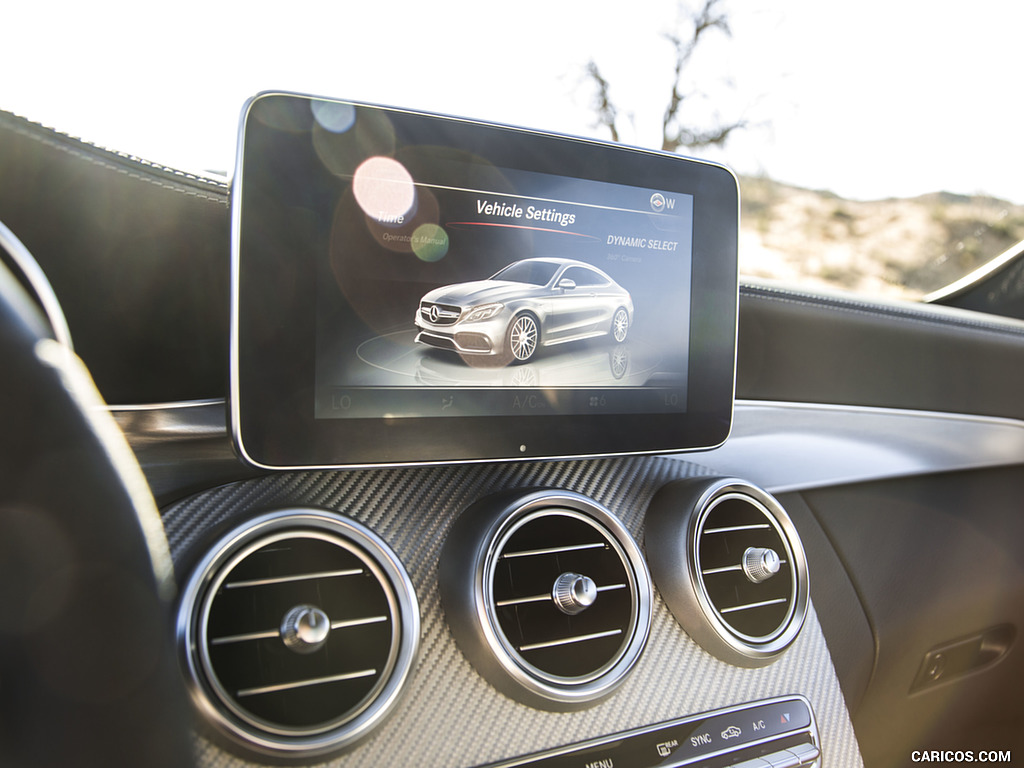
[(449, 716)]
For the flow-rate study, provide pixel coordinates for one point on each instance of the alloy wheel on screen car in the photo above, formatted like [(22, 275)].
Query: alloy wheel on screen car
[(523, 338), (620, 325)]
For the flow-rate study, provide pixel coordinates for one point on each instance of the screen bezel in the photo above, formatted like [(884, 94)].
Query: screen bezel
[(273, 362)]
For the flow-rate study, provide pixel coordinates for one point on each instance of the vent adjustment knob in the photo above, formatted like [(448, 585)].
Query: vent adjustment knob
[(305, 628), (760, 564), (574, 593)]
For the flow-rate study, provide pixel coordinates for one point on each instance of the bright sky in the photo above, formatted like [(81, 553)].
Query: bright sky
[(870, 99)]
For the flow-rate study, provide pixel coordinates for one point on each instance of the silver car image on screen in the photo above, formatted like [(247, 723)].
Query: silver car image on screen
[(529, 304)]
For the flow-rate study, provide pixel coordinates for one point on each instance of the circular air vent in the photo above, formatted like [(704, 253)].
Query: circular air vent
[(298, 630), (547, 595), (730, 566)]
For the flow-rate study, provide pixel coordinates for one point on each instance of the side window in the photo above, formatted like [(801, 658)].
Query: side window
[(583, 276)]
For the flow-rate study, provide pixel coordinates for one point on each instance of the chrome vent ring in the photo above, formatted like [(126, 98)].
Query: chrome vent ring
[(547, 595), (297, 631), (731, 567)]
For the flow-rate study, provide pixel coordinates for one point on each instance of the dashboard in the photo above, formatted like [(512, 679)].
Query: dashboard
[(875, 458)]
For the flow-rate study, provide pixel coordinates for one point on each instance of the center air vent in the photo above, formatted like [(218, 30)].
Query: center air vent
[(547, 595), (730, 566), (298, 631)]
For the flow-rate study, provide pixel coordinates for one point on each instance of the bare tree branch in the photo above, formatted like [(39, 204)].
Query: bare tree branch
[(607, 113), (675, 133), (708, 18), (684, 137)]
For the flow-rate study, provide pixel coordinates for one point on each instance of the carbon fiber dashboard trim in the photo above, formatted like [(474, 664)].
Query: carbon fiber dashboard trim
[(412, 509)]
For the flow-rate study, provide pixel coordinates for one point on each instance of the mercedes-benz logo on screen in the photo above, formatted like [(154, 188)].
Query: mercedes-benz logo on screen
[(434, 314), (657, 202)]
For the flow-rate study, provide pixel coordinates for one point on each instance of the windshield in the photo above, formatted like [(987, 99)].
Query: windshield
[(532, 272), (876, 142)]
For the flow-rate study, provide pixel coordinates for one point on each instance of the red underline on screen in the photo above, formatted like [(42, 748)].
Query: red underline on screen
[(517, 226)]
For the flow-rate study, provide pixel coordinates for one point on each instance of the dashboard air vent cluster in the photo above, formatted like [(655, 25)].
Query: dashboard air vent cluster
[(731, 567), (298, 630), (547, 595)]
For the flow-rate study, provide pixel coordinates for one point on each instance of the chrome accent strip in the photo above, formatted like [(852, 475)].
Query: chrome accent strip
[(780, 446), (306, 683), (569, 640), (552, 550), (754, 605), (288, 579), (783, 446)]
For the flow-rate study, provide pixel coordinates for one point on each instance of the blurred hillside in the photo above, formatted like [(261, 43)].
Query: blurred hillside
[(898, 247)]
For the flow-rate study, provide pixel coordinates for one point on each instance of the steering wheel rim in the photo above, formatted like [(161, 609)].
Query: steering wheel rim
[(87, 666)]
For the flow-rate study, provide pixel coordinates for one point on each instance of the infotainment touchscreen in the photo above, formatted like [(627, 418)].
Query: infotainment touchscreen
[(409, 288)]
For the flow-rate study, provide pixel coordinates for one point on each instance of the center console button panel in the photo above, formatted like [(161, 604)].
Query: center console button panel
[(776, 733)]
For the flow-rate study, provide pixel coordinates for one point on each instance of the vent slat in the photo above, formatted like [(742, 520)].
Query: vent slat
[(358, 622), (306, 683), (289, 579), (728, 569), (552, 550), (246, 637), (569, 640), (748, 607)]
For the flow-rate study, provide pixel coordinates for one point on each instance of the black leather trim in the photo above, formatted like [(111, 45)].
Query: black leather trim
[(840, 610), (809, 348), (933, 559), (137, 254)]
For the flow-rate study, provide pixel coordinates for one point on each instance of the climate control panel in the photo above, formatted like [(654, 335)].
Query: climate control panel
[(776, 733)]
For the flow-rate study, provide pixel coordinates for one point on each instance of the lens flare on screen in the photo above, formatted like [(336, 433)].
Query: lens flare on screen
[(429, 242), (333, 117), (384, 190)]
